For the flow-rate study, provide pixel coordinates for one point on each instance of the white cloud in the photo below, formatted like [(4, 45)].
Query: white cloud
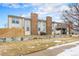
[(43, 9), (49, 9), (25, 15), (14, 5)]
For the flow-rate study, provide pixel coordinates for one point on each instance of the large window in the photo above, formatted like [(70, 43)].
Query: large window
[(15, 20), (38, 29), (44, 24), (27, 28)]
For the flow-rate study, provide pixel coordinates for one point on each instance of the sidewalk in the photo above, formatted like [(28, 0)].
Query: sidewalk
[(53, 51)]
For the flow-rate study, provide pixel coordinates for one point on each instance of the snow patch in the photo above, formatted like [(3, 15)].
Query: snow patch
[(57, 41), (70, 52)]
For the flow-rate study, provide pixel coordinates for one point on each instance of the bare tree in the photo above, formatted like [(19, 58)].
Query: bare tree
[(71, 15)]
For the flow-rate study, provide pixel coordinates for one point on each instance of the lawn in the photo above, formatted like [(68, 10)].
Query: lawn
[(26, 47)]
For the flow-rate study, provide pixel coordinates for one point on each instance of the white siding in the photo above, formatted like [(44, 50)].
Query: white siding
[(42, 26), (27, 25), (53, 28), (15, 25)]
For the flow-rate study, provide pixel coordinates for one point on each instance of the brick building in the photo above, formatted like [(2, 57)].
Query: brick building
[(33, 25)]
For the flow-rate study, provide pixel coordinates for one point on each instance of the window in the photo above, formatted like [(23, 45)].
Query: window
[(44, 29), (52, 29), (38, 29), (27, 28), (44, 24), (15, 21)]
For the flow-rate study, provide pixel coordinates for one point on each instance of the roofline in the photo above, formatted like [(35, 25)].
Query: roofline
[(30, 18)]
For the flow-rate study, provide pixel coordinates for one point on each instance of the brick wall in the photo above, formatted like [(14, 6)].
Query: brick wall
[(49, 25), (34, 22)]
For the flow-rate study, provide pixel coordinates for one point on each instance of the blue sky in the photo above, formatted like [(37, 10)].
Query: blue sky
[(25, 9)]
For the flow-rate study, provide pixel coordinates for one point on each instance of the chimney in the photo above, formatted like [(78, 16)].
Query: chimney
[(34, 22), (49, 25)]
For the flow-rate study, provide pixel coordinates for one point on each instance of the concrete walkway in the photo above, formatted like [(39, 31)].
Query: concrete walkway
[(53, 51)]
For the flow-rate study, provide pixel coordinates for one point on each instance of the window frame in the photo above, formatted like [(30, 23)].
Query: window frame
[(15, 21)]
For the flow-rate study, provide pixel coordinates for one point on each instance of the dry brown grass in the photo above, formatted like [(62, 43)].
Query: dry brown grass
[(11, 32), (23, 48)]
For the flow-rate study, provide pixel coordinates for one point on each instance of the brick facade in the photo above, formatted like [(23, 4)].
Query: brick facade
[(34, 24), (33, 27), (49, 25)]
